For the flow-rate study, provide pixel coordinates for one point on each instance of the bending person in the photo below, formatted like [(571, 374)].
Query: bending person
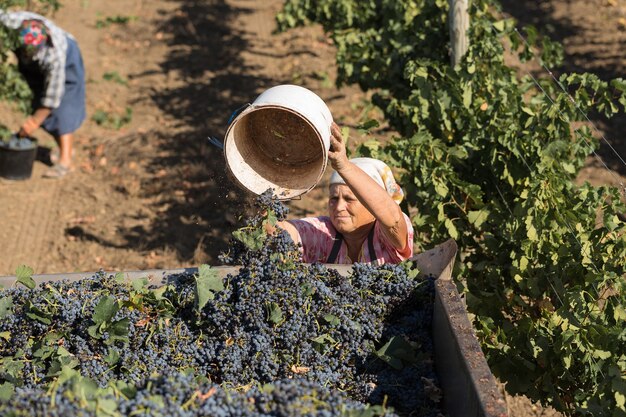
[(364, 222), (51, 62)]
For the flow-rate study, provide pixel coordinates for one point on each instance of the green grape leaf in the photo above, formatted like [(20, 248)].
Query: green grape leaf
[(208, 282), (6, 306), (24, 276), (104, 311), (332, 319), (37, 313), (398, 352), (6, 391), (140, 284), (274, 313)]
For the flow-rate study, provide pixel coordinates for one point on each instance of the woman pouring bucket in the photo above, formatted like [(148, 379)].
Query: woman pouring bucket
[(281, 141)]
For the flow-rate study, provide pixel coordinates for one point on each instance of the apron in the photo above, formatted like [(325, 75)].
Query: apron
[(339, 240)]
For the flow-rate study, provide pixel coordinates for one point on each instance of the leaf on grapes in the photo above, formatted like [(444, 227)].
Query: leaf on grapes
[(140, 284), (106, 407), (158, 400), (322, 340), (270, 218), (56, 366), (65, 374), (105, 310), (252, 239), (62, 352), (5, 335), (6, 391), (112, 357), (332, 320), (84, 388), (6, 306), (129, 390), (94, 331), (24, 276), (38, 314), (267, 388), (119, 278), (11, 367), (208, 282), (274, 313), (397, 352), (45, 352), (118, 330), (158, 292)]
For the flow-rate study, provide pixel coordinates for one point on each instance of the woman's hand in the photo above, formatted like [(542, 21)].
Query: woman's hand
[(337, 153), (34, 122), (28, 127)]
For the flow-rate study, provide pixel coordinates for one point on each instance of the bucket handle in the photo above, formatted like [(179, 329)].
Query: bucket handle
[(215, 142), (237, 112)]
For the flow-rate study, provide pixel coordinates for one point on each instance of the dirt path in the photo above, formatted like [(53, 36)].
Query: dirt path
[(25, 228), (152, 193)]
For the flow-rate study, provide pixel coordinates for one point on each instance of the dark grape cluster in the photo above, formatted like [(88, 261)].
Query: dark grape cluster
[(280, 337), (17, 143), (269, 210), (182, 395)]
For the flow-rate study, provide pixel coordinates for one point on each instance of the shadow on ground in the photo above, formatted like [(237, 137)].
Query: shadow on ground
[(594, 59), (199, 204)]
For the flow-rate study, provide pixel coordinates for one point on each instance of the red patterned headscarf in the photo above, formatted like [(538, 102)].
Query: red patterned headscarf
[(33, 35)]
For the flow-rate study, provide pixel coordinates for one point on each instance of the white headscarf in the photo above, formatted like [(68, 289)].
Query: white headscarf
[(379, 172)]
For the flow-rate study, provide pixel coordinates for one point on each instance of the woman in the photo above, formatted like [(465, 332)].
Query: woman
[(365, 223), (51, 62)]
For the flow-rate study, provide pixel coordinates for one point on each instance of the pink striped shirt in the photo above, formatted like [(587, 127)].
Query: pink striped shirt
[(317, 239)]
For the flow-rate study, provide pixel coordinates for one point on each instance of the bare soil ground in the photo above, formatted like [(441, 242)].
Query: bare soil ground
[(153, 193)]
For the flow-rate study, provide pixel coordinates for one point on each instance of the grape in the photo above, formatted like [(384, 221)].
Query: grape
[(282, 336)]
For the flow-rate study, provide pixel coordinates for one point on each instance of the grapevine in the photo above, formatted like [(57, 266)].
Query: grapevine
[(490, 158)]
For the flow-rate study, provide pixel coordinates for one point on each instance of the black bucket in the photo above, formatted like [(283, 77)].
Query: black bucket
[(17, 158)]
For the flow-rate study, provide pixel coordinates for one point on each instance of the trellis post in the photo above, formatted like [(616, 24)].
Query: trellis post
[(459, 23)]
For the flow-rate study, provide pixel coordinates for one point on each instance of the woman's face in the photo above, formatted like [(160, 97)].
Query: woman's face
[(346, 212)]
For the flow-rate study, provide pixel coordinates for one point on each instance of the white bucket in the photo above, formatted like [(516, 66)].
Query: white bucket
[(280, 141)]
